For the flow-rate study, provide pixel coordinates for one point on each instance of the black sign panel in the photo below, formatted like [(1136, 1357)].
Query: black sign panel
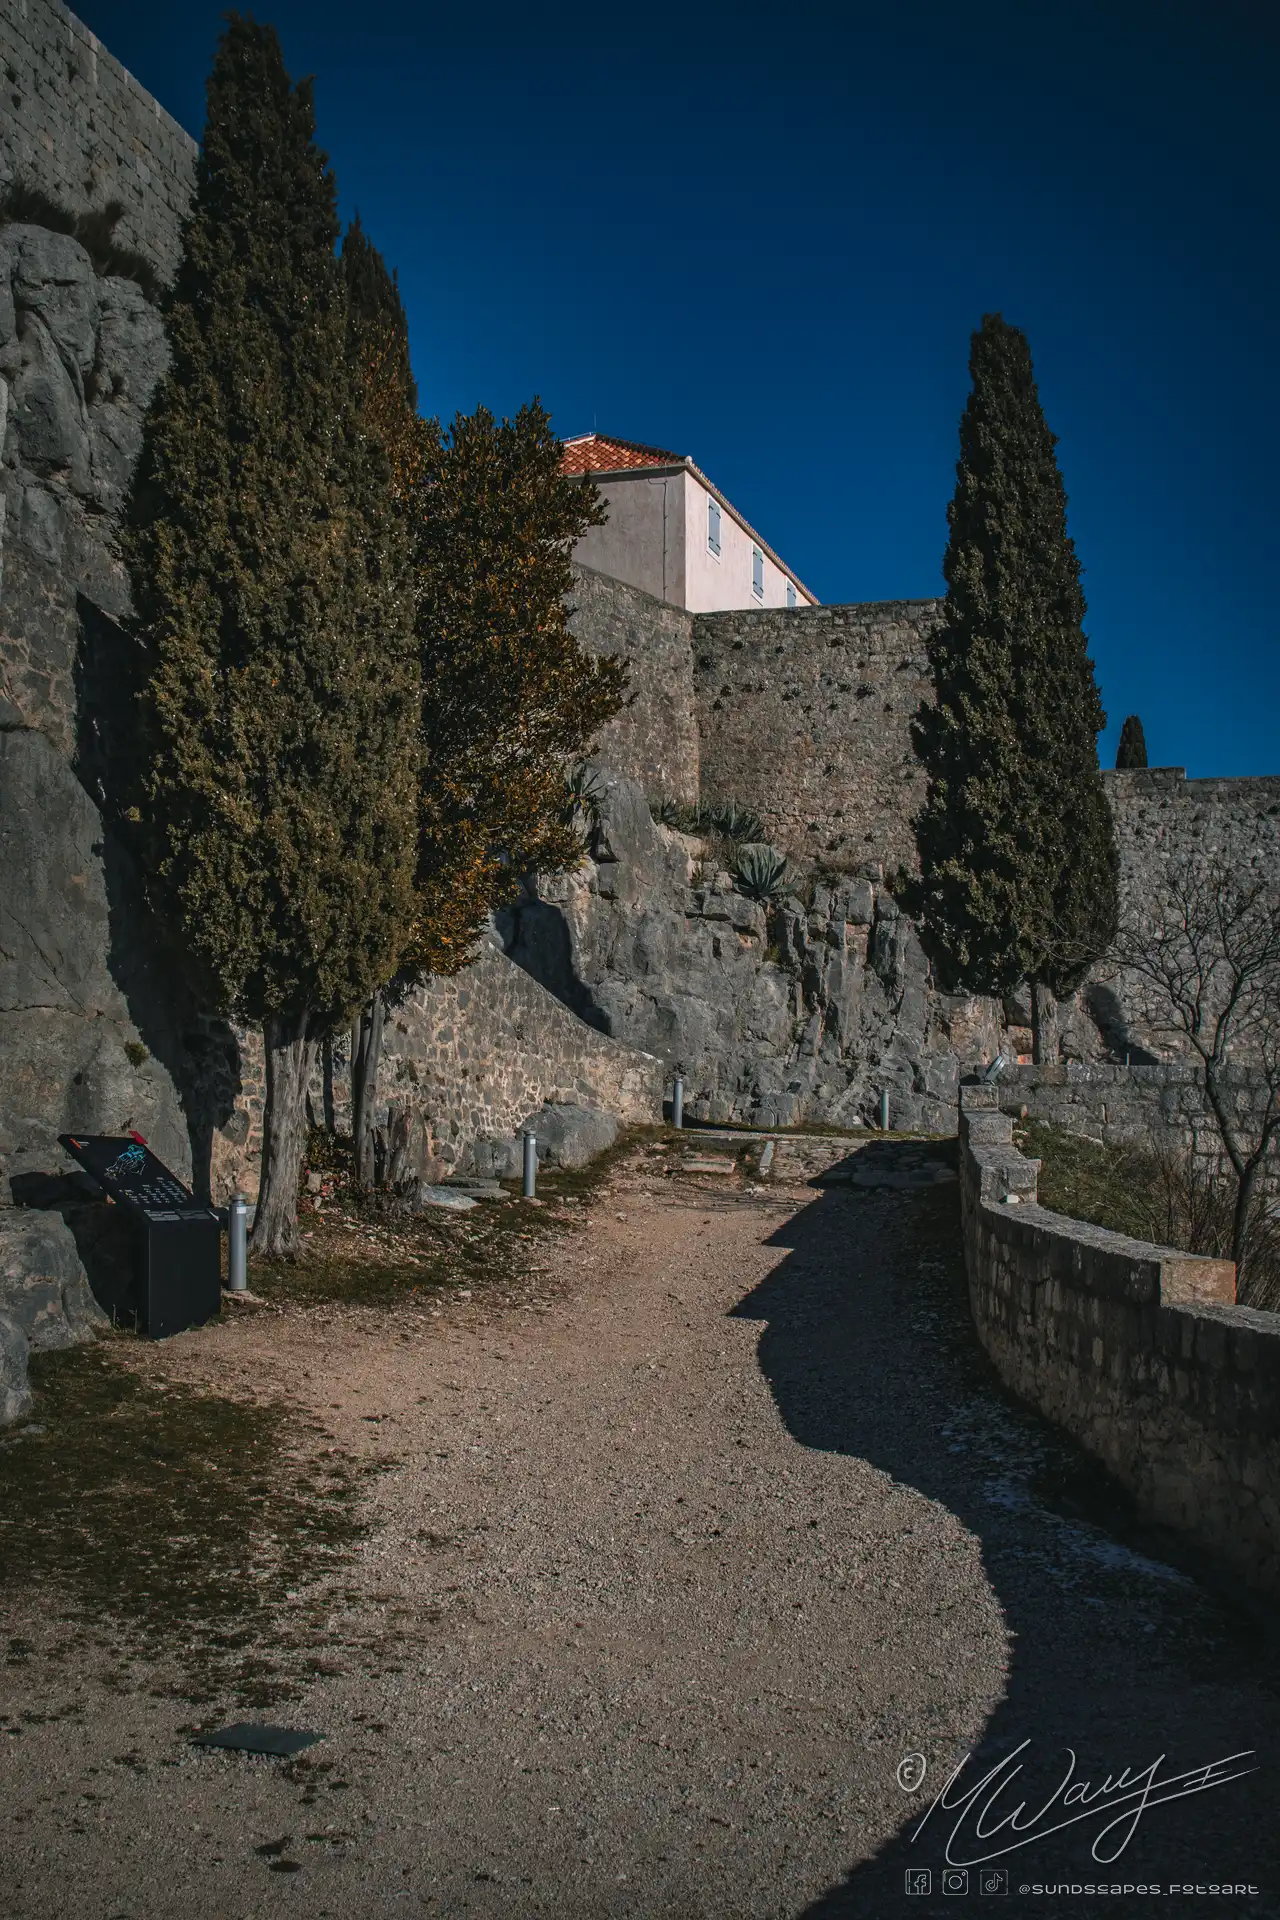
[(178, 1242), (126, 1169)]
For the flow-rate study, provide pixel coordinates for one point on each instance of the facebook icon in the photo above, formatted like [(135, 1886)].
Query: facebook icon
[(919, 1880)]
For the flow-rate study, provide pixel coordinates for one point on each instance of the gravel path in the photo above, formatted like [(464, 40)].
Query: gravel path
[(676, 1566)]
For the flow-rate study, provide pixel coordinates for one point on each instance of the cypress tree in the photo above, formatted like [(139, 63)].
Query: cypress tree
[(1017, 849), (1132, 751), (274, 785)]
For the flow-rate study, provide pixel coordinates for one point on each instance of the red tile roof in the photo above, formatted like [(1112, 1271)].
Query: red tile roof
[(595, 453)]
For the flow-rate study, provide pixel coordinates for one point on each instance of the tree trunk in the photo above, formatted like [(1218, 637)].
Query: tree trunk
[(291, 1057), (1044, 1025), (1246, 1187), (326, 1079), (366, 1057)]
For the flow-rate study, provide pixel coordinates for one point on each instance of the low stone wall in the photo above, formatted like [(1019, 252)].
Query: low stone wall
[(1137, 1350), (1161, 1105)]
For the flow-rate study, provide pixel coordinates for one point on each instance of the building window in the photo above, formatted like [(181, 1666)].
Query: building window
[(791, 593), (713, 527), (757, 573)]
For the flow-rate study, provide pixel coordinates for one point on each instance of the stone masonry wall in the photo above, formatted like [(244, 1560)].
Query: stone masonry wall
[(1138, 1351), (77, 127), (466, 1062), (655, 738), (1116, 1104), (805, 715)]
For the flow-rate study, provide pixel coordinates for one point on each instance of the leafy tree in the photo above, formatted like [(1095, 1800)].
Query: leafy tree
[(510, 700), (275, 778), (1017, 849), (1132, 751)]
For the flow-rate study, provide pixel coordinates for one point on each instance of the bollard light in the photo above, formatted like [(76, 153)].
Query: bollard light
[(530, 1165), (677, 1103), (238, 1244), (884, 1112)]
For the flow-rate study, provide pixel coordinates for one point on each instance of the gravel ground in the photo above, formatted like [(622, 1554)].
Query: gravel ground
[(670, 1568)]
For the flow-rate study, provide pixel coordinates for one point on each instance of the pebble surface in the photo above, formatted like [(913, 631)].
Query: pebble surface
[(685, 1556)]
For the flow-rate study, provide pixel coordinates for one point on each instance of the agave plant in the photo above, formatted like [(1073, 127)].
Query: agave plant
[(737, 823), (761, 872), (583, 795)]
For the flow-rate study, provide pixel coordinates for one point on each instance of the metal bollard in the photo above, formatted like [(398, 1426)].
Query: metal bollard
[(677, 1103), (884, 1112), (238, 1244), (530, 1165)]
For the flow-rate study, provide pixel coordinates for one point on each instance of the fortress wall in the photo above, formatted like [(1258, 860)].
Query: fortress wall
[(655, 738), (1162, 817), (76, 126), (1136, 1350), (805, 715)]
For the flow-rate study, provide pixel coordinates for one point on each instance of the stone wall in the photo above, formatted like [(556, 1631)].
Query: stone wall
[(76, 127), (655, 738), (1116, 1104), (466, 1063), (1138, 1351), (805, 715)]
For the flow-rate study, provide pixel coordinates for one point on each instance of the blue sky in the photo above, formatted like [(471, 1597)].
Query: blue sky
[(763, 237)]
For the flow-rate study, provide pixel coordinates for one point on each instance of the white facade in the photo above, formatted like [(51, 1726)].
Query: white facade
[(673, 534)]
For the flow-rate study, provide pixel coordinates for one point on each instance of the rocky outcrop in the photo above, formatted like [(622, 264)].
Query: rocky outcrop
[(72, 1056), (773, 1015), (79, 357), (45, 1300)]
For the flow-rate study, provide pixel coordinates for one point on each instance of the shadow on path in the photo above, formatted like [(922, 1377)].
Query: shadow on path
[(869, 1350)]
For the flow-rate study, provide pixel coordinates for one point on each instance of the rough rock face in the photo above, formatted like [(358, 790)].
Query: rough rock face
[(72, 1056), (79, 974), (45, 1300), (774, 1015), (79, 359)]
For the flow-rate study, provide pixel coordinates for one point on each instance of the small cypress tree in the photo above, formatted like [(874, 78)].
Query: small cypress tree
[(1017, 849), (510, 697), (1132, 751), (276, 772)]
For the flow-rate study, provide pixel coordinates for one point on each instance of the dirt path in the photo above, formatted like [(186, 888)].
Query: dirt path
[(670, 1572)]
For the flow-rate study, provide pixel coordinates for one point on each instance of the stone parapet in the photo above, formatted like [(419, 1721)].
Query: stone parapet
[(1138, 1351)]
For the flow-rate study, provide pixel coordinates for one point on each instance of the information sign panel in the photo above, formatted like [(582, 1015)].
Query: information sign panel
[(179, 1240)]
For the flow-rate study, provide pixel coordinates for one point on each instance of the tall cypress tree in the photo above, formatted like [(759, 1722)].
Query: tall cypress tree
[(1132, 751), (275, 780), (1017, 849)]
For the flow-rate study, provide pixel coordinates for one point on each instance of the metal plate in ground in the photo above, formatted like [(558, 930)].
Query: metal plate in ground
[(245, 1737)]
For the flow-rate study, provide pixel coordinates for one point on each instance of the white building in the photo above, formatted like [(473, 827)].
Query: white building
[(672, 533)]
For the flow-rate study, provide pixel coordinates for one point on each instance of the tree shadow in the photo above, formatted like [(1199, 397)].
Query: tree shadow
[(869, 1350)]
